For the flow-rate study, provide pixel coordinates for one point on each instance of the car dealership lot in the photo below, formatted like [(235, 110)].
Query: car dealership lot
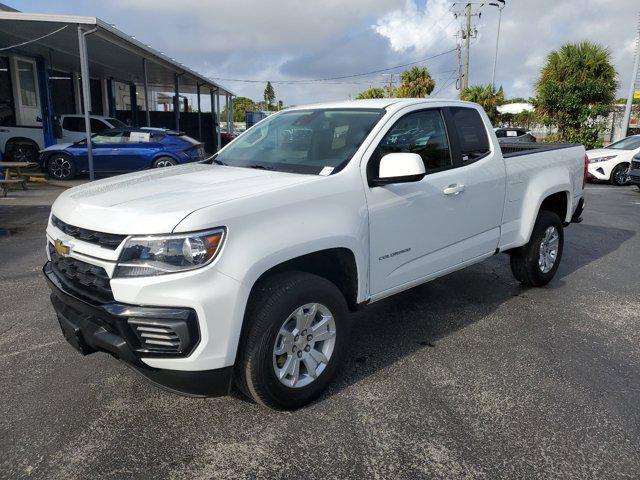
[(470, 375)]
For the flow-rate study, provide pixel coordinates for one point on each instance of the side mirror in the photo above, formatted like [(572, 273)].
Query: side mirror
[(399, 168)]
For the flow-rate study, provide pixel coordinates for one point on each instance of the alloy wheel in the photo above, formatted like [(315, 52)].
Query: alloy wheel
[(548, 249), (304, 345), (60, 167)]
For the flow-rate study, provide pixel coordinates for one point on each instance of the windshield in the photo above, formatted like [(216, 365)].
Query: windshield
[(116, 123), (302, 141), (629, 143)]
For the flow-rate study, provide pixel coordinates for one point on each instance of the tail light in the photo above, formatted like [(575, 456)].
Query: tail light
[(586, 171)]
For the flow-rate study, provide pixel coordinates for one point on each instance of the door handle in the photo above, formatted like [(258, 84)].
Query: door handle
[(453, 189)]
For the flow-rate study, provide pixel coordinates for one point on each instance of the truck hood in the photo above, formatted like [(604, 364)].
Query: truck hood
[(156, 201), (56, 147)]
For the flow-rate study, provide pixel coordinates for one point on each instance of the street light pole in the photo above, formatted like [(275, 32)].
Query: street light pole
[(500, 6), (632, 85)]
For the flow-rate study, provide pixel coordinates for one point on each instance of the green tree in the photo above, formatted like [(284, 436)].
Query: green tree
[(575, 92), (269, 94), (486, 96), (415, 83), (373, 92), (240, 107)]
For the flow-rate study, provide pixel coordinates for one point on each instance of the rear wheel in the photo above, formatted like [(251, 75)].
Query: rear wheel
[(297, 333), (164, 162), (61, 167), (536, 263), (24, 152), (620, 175)]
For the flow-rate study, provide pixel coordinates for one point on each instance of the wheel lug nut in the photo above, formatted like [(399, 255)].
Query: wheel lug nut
[(297, 338), (307, 348), (303, 333), (294, 349), (309, 338), (299, 353)]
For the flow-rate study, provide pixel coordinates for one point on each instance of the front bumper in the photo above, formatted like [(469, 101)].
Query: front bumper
[(634, 176), (596, 171), (91, 327)]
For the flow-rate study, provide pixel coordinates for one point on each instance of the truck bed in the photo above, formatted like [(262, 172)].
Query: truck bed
[(525, 148)]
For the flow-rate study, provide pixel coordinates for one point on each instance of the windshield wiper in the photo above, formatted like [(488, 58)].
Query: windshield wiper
[(218, 162)]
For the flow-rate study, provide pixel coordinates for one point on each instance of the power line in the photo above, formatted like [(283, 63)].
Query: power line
[(341, 77), (33, 40)]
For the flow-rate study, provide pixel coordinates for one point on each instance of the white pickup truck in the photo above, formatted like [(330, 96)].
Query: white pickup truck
[(244, 268), (22, 144)]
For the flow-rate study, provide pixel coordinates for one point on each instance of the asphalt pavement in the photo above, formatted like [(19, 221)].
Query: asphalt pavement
[(469, 376)]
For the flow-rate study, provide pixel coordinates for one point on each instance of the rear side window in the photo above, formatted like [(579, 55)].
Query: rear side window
[(97, 126), (186, 138), (472, 135)]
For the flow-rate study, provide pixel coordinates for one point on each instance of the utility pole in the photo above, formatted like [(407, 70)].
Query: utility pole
[(467, 38), (389, 86), (467, 32), (632, 86)]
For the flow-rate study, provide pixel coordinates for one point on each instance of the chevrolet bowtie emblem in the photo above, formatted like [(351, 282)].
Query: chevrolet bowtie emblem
[(61, 248)]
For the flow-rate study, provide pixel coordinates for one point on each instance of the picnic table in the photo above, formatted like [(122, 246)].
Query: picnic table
[(13, 175)]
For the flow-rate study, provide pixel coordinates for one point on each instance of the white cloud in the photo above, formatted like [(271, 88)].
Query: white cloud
[(412, 28)]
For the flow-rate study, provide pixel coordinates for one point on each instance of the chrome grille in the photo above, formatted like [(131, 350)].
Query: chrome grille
[(106, 240), (635, 164), (89, 281)]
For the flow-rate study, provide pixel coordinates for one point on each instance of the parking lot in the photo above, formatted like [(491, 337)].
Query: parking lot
[(469, 376)]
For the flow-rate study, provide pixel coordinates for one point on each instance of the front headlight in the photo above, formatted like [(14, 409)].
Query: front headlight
[(601, 159), (160, 254)]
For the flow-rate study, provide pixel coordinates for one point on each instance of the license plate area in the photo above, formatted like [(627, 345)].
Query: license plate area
[(73, 335)]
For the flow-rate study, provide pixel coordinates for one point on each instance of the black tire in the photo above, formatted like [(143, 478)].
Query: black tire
[(61, 167), (271, 305), (525, 260), (619, 175), (164, 162), (23, 152)]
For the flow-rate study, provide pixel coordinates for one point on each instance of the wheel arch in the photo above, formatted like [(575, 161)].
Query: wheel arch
[(10, 143), (161, 154), (338, 265)]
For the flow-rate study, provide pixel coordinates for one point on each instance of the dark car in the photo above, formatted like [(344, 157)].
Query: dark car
[(122, 150), (634, 171), (513, 135)]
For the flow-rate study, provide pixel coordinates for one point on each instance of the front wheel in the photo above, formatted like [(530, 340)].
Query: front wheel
[(164, 162), (620, 175), (536, 263), (61, 167), (297, 333)]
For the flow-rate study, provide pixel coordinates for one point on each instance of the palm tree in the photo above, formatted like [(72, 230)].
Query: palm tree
[(486, 96), (415, 83), (373, 92), (575, 91)]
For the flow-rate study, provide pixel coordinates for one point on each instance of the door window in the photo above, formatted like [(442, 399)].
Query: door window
[(112, 136), (472, 135), (27, 80), (421, 132), (73, 124), (97, 126)]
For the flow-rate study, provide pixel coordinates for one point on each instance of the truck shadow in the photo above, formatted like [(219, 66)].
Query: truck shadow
[(387, 331)]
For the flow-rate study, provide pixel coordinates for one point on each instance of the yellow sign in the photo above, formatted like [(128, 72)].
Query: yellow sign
[(636, 94), (61, 248)]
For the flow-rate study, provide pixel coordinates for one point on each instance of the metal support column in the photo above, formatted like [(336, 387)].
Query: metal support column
[(145, 86), (176, 101), (218, 119), (86, 93), (199, 113), (226, 104), (231, 112)]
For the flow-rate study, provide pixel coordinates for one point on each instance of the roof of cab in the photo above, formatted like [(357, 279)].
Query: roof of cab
[(378, 103)]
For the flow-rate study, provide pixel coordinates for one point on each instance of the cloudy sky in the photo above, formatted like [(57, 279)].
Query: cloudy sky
[(301, 40)]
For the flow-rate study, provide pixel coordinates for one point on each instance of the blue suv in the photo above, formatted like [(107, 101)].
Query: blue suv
[(121, 150)]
